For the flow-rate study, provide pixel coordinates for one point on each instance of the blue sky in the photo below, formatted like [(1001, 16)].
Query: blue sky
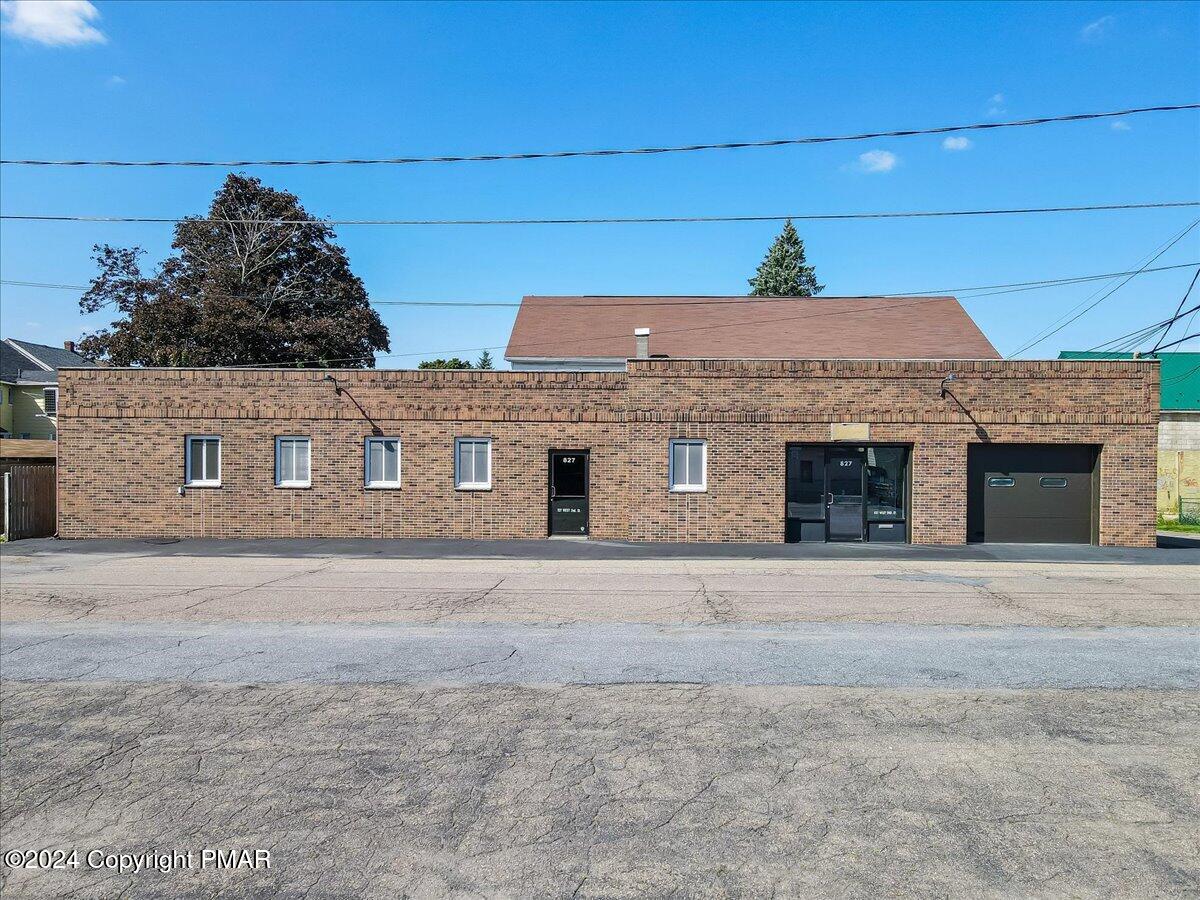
[(200, 80)]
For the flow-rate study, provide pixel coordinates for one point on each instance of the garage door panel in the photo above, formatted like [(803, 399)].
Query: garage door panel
[(1034, 493)]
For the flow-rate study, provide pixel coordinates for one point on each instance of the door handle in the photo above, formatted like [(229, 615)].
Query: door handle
[(830, 501)]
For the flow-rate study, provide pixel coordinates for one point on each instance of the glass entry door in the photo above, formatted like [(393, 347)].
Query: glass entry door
[(844, 494)]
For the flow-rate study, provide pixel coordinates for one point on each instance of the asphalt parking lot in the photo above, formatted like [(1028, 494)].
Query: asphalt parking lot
[(389, 720)]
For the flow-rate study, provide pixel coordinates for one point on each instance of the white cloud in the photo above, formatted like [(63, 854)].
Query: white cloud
[(957, 143), (1120, 125), (114, 81), (996, 105), (1098, 30), (996, 99), (55, 23), (877, 161)]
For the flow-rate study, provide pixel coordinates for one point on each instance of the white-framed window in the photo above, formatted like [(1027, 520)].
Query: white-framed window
[(382, 462), (202, 460), (50, 401), (293, 457), (688, 466), (473, 464)]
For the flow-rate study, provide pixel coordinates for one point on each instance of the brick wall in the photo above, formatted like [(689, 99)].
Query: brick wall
[(121, 444)]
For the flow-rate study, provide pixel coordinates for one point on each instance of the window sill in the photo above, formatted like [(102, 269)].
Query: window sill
[(202, 484), (298, 486), (382, 487), (472, 487), (689, 490)]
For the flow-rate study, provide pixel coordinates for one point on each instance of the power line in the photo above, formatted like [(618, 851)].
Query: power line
[(988, 289), (1189, 322), (636, 151), (1056, 327), (590, 338), (1019, 287), (612, 220), (1126, 342), (1182, 301), (43, 284), (1175, 343), (372, 357)]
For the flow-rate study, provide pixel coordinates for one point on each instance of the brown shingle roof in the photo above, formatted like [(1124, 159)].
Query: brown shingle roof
[(748, 327)]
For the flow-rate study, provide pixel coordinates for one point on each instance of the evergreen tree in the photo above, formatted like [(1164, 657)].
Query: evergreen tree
[(784, 272), (452, 363), (485, 361)]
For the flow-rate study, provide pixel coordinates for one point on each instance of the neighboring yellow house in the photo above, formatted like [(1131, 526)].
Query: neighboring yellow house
[(6, 416), (29, 387)]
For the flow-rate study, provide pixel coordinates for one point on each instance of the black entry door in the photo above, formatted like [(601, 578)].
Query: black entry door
[(844, 474), (569, 492)]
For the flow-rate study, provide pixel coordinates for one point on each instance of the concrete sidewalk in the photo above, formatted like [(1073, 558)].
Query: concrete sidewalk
[(1167, 553), (67, 581)]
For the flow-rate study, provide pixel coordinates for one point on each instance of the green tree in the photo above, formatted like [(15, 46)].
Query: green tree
[(452, 363), (256, 280), (784, 271), (485, 361)]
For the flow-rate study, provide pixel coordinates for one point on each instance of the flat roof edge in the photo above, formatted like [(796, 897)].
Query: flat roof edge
[(948, 360)]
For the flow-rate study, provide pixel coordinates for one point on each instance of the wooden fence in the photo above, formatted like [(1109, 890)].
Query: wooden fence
[(29, 501)]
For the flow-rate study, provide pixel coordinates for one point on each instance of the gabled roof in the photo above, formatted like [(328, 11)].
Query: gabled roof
[(38, 363), (748, 328), (1179, 376)]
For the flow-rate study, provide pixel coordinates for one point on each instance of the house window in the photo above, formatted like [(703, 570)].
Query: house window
[(292, 459), (203, 460), (689, 466), (50, 401), (473, 464), (383, 463)]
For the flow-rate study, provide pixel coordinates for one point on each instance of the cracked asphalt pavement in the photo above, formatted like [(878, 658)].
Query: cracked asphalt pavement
[(401, 722)]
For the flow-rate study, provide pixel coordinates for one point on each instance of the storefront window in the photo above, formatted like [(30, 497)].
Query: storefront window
[(886, 483), (806, 483)]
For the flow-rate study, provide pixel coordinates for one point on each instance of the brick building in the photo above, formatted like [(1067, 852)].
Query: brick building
[(662, 450)]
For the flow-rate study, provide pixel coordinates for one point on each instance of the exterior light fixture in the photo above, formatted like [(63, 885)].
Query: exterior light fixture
[(942, 387), (337, 388)]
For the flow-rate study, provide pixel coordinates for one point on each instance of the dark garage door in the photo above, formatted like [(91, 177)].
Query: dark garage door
[(1032, 493)]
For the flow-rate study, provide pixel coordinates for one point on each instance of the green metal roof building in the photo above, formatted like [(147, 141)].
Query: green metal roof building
[(1178, 489), (1180, 377)]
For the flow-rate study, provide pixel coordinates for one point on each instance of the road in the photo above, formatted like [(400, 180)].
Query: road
[(797, 654), (392, 723)]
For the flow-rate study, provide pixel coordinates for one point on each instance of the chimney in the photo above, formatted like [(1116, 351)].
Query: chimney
[(69, 345), (641, 340)]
